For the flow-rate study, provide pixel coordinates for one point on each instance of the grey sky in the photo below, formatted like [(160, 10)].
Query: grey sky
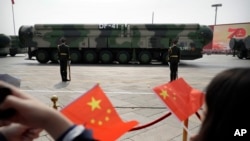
[(30, 12)]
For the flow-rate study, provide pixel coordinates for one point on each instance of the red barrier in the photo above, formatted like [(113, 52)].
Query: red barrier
[(156, 121)]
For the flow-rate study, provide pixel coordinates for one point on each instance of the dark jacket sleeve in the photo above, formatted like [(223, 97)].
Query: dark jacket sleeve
[(85, 135), (68, 53), (2, 137), (179, 54), (58, 52)]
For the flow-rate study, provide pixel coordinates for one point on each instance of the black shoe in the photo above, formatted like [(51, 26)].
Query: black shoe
[(64, 80)]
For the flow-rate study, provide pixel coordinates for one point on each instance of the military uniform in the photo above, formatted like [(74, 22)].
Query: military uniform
[(174, 55), (63, 57)]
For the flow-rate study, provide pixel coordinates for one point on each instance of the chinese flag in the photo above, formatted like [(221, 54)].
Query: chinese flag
[(180, 98), (13, 2), (95, 111)]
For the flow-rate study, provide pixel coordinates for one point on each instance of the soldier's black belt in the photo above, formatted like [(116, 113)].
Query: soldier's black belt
[(174, 56)]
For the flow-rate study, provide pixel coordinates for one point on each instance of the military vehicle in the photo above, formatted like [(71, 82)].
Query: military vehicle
[(108, 43), (240, 47), (16, 47), (4, 45), (11, 45)]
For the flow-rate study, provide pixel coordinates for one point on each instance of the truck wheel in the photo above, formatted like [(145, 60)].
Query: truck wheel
[(13, 52), (123, 57), (42, 56), (165, 58), (89, 56), (240, 55), (144, 57), (3, 54), (54, 56), (75, 56), (106, 56)]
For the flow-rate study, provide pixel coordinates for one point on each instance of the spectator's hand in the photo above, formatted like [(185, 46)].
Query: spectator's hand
[(33, 113), (25, 106), (18, 132)]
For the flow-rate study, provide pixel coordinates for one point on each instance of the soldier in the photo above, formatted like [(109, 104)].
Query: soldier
[(64, 57), (174, 55)]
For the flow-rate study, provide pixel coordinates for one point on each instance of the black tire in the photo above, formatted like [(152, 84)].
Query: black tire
[(54, 56), (90, 56), (145, 57), (164, 59), (13, 52), (241, 54), (106, 57), (123, 57), (42, 56), (4, 54), (75, 56)]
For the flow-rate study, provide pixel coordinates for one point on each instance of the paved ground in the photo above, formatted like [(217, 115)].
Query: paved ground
[(129, 88)]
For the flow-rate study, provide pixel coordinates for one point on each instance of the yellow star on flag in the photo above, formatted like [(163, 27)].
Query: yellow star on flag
[(95, 104), (99, 115), (164, 94)]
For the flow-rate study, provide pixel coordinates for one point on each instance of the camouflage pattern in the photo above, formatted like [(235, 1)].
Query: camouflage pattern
[(240, 47), (105, 43), (11, 45), (16, 46), (4, 45)]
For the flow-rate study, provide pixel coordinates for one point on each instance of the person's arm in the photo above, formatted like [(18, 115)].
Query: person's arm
[(179, 54), (18, 132), (58, 52), (169, 53), (33, 113), (68, 53)]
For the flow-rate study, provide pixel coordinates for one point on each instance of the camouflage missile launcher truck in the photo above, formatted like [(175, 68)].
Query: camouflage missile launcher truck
[(4, 45), (11, 45), (16, 47), (122, 43), (240, 47)]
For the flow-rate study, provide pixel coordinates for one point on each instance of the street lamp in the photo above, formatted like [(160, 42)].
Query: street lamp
[(216, 6)]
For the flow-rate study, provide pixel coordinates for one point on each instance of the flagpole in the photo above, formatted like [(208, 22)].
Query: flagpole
[(185, 130), (13, 18), (152, 17)]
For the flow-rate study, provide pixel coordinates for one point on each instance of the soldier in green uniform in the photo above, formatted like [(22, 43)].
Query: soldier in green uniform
[(63, 57), (174, 54)]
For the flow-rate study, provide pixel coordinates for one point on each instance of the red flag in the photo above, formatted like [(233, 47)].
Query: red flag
[(13, 2), (180, 98), (95, 111)]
